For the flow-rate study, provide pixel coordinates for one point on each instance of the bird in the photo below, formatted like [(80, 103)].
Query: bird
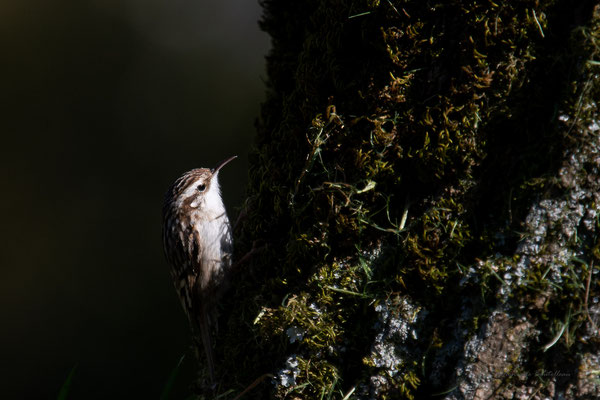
[(198, 246)]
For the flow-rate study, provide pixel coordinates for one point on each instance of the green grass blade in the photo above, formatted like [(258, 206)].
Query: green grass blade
[(166, 393), (64, 390)]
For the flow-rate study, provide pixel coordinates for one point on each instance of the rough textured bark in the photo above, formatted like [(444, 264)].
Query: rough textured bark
[(423, 204)]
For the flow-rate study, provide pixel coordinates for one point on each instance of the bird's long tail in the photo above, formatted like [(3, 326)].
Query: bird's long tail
[(204, 324)]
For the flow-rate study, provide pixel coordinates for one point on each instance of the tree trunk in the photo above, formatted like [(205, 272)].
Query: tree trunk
[(423, 206)]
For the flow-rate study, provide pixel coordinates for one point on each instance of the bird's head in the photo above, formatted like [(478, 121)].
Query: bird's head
[(198, 189)]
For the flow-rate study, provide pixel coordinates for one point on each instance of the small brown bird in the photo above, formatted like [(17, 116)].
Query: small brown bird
[(198, 245)]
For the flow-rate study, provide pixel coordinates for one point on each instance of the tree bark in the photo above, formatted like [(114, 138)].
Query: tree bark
[(423, 205)]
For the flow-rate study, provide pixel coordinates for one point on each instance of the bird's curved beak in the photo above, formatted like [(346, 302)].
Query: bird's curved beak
[(220, 165)]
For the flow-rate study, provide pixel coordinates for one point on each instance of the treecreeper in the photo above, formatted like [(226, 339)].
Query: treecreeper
[(198, 245)]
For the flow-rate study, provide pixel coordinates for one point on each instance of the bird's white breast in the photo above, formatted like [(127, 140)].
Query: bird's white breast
[(213, 228)]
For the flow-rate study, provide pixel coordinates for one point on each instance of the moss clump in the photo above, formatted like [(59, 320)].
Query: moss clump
[(402, 144)]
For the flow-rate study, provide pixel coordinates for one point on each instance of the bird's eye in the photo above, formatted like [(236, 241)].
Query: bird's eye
[(201, 187)]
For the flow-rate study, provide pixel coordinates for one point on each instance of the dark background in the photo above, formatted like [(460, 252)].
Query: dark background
[(104, 104)]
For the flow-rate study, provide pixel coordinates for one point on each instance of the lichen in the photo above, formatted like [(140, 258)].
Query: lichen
[(393, 352)]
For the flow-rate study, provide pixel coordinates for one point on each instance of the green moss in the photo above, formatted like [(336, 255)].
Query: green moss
[(320, 380), (398, 141)]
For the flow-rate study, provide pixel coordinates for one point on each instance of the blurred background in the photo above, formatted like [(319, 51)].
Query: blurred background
[(103, 104)]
